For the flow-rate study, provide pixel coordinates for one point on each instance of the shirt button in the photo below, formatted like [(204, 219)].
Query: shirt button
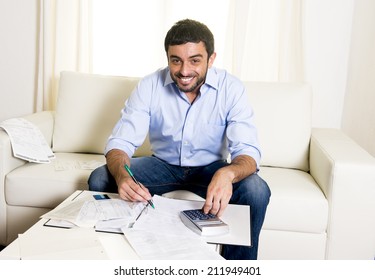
[(186, 143)]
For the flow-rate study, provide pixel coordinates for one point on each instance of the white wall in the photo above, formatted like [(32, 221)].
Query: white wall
[(326, 43), (359, 113), (17, 57)]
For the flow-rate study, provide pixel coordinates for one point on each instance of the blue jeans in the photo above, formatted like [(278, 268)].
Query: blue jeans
[(160, 177)]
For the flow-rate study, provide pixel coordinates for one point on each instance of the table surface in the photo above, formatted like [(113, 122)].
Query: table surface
[(108, 245)]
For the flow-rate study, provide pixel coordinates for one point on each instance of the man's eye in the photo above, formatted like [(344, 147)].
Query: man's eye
[(175, 61), (195, 61)]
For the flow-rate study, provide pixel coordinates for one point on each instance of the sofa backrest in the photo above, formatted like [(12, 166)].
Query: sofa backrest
[(283, 119), (87, 108), (89, 105)]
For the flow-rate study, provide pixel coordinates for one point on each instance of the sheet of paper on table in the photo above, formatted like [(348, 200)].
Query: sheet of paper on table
[(160, 233), (102, 214)]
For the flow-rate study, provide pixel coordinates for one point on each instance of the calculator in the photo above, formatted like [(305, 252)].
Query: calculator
[(203, 224)]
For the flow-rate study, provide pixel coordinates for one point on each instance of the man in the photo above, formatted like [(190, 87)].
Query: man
[(195, 115)]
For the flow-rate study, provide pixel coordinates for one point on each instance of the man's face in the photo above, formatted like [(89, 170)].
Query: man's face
[(188, 64)]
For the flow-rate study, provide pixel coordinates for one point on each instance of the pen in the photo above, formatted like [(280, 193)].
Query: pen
[(135, 181)]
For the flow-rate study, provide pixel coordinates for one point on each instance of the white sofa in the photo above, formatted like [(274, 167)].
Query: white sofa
[(322, 183)]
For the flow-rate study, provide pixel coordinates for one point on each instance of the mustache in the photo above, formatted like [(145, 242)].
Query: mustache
[(179, 75)]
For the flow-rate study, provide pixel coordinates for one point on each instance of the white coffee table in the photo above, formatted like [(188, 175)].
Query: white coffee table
[(44, 242)]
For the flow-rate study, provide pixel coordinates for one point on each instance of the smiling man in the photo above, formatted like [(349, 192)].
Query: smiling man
[(196, 115)]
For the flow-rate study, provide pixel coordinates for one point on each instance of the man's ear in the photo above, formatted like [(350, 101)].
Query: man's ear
[(211, 59)]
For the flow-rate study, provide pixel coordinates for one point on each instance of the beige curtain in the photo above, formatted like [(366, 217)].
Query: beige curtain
[(64, 43), (266, 40)]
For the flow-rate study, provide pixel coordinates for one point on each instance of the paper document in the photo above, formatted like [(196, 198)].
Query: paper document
[(236, 216), (28, 143), (158, 246), (68, 213), (102, 214), (160, 233), (166, 217), (62, 165)]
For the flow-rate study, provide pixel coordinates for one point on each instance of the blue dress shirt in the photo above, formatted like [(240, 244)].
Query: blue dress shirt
[(218, 122)]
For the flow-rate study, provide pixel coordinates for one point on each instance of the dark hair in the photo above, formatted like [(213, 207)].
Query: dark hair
[(189, 31)]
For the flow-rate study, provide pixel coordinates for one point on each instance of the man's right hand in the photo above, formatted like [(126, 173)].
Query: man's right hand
[(127, 188)]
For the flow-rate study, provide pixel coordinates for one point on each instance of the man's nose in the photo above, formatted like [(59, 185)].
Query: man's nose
[(185, 69)]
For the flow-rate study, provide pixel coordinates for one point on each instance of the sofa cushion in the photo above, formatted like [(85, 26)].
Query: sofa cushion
[(283, 118), (297, 203), (87, 109), (46, 185)]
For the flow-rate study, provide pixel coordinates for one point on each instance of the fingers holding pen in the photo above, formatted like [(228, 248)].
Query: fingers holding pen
[(128, 187), (131, 191), (137, 191)]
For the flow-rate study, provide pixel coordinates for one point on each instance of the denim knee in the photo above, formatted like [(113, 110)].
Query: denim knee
[(101, 180), (252, 190)]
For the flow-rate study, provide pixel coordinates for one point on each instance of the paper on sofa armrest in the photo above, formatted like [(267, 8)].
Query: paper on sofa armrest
[(28, 142)]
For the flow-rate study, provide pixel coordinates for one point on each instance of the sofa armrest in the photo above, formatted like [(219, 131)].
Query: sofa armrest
[(346, 174), (7, 163), (44, 121)]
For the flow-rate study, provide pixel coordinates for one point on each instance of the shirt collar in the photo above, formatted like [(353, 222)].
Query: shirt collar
[(212, 79)]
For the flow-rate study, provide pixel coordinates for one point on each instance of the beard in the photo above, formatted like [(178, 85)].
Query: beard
[(200, 80)]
